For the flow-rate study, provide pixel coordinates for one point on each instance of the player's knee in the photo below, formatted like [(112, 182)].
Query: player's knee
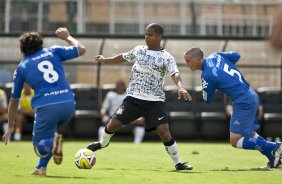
[(233, 142), (165, 136), (114, 125), (39, 153)]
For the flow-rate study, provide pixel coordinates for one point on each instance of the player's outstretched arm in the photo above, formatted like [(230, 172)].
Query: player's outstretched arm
[(64, 34), (182, 93), (110, 60), (12, 112)]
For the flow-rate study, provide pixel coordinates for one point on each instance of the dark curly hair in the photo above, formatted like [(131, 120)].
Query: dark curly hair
[(30, 42), (157, 28)]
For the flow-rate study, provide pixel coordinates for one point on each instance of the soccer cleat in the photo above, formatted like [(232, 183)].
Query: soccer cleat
[(40, 172), (277, 152), (269, 166), (58, 149), (183, 166), (95, 146)]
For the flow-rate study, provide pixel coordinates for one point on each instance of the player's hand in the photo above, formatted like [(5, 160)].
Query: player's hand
[(62, 33), (99, 59), (182, 93), (7, 135)]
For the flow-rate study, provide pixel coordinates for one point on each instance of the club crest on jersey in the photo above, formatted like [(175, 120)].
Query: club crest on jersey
[(120, 110)]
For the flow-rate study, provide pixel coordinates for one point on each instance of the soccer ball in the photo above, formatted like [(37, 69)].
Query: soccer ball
[(84, 159)]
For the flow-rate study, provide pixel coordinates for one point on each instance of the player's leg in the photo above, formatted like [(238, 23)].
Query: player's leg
[(18, 126), (104, 121), (139, 130), (126, 113), (43, 150), (47, 120), (171, 147), (156, 118), (257, 143), (101, 130), (42, 143), (268, 155), (243, 126), (62, 118)]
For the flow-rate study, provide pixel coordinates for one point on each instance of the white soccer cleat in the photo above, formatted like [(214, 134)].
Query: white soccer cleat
[(277, 152)]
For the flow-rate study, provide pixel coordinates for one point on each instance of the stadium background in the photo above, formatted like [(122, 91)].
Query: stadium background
[(109, 27)]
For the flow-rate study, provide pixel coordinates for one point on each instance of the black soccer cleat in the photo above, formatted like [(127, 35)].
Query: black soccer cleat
[(183, 166), (95, 146)]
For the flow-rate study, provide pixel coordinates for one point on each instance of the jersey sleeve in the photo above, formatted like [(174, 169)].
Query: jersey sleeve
[(208, 84), (233, 57), (18, 82), (131, 56), (65, 53), (171, 65)]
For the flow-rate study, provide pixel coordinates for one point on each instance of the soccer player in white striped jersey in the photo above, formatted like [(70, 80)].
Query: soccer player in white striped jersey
[(145, 94)]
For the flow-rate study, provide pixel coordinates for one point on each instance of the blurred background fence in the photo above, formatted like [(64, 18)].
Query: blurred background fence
[(129, 17)]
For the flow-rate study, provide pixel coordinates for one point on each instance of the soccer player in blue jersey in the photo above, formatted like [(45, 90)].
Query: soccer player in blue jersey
[(53, 101), (219, 72)]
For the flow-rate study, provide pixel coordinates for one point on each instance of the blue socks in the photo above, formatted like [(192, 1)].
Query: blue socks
[(265, 147), (44, 151)]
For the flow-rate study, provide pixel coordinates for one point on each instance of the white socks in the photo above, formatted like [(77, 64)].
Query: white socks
[(173, 153), (240, 143), (17, 136), (101, 132), (139, 132), (5, 127), (105, 139)]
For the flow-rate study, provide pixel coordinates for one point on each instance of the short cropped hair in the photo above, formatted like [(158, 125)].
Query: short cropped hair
[(157, 28), (30, 42), (195, 52)]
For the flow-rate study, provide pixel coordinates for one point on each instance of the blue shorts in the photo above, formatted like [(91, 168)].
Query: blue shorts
[(243, 120), (51, 117)]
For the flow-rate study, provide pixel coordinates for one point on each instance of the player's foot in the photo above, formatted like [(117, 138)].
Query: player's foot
[(270, 166), (95, 146), (183, 166), (277, 152), (41, 171), (58, 149)]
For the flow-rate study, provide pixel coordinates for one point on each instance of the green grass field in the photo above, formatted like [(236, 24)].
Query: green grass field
[(126, 163)]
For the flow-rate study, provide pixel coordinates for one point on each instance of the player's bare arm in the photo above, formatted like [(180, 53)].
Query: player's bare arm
[(182, 93), (64, 34), (110, 60)]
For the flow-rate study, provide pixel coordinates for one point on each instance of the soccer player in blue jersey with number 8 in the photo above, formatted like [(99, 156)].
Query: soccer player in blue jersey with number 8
[(53, 101), (219, 72)]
